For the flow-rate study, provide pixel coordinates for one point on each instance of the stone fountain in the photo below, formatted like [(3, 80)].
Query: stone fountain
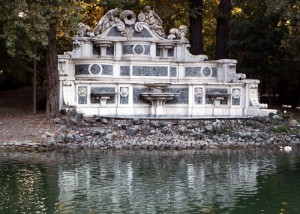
[(158, 98), (128, 67)]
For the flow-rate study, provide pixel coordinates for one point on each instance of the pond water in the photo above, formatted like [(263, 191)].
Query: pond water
[(226, 181)]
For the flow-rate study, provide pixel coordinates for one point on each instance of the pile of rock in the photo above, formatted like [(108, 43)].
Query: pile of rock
[(79, 132)]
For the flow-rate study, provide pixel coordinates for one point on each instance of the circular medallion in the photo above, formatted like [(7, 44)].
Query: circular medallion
[(138, 49), (95, 69), (206, 71)]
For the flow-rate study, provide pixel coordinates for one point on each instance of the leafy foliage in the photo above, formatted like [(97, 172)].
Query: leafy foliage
[(265, 42)]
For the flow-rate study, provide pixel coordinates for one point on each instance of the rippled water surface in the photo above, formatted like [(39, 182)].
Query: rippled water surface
[(227, 181)]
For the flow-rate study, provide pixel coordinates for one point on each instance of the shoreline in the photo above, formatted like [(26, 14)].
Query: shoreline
[(78, 132)]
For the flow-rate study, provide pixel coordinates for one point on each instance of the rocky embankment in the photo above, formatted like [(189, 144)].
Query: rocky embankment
[(79, 132)]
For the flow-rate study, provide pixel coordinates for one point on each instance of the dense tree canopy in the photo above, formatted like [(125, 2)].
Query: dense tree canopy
[(264, 39), (29, 25)]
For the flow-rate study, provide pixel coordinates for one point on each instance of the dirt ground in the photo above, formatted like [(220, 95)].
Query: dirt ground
[(17, 121)]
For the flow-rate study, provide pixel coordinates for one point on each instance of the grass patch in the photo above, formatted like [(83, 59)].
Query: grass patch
[(282, 128)]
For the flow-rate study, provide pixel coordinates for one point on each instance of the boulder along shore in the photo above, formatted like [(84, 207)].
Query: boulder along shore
[(78, 132)]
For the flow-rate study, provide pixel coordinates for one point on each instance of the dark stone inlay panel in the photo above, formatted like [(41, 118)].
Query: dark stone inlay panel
[(144, 33), (150, 71), (171, 52), (193, 71), (82, 69), (108, 91), (198, 100), (124, 99), (214, 72), (82, 95), (147, 49), (124, 70), (127, 49), (207, 72), (95, 69), (173, 72), (236, 100), (198, 95), (107, 69), (138, 49), (96, 50), (114, 32), (110, 51), (215, 91), (157, 51), (137, 99), (183, 97)]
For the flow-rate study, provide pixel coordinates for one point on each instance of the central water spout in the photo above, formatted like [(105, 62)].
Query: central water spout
[(158, 98)]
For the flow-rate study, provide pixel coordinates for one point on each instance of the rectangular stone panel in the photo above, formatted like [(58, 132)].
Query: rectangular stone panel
[(150, 71), (198, 100), (82, 95), (173, 72), (82, 69), (157, 51), (105, 91), (147, 49), (214, 72), (107, 69), (183, 97), (236, 97), (124, 70), (127, 49), (96, 50), (192, 71), (215, 91), (171, 52), (137, 99), (198, 95), (110, 51), (124, 95)]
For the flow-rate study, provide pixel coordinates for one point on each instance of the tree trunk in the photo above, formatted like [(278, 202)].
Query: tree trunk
[(225, 7), (196, 36), (52, 73)]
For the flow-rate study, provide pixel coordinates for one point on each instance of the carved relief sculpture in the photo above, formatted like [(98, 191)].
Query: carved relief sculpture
[(84, 30), (178, 33), (198, 92), (107, 21), (236, 94), (129, 18), (153, 20), (124, 92)]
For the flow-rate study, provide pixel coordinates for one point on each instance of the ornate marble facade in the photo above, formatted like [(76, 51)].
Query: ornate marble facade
[(128, 67)]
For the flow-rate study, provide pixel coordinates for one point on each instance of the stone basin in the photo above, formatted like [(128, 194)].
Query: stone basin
[(157, 87), (158, 98), (103, 97)]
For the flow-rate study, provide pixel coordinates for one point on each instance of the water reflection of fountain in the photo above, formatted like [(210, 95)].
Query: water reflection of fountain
[(141, 182)]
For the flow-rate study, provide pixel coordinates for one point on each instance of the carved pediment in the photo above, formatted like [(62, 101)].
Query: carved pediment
[(128, 25)]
